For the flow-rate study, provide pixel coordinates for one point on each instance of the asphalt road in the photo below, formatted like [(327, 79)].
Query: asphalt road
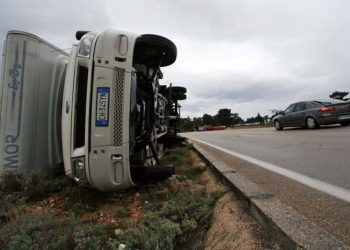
[(323, 154), (307, 169)]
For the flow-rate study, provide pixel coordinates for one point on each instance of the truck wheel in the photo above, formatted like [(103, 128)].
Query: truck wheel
[(178, 96), (164, 46), (178, 89)]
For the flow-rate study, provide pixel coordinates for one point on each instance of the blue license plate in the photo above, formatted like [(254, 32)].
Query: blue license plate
[(102, 107)]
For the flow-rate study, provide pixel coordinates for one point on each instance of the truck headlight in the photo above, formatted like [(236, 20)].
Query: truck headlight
[(79, 172), (85, 44)]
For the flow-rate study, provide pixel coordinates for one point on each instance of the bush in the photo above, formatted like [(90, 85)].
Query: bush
[(121, 212), (91, 236), (171, 219), (37, 231), (32, 187), (44, 231), (152, 232), (176, 156), (170, 224)]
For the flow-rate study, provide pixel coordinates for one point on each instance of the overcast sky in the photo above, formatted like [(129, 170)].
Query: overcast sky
[(247, 55)]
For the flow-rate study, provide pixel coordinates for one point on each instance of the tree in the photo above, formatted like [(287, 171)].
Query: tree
[(208, 119), (259, 118), (197, 122), (186, 124), (339, 95), (266, 119), (251, 120), (236, 119), (224, 117)]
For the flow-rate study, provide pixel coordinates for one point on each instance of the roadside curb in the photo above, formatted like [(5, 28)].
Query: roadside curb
[(289, 228)]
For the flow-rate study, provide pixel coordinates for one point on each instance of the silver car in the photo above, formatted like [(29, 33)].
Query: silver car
[(312, 114)]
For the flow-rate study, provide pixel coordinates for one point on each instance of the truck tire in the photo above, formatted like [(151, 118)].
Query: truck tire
[(178, 96), (149, 42), (177, 89)]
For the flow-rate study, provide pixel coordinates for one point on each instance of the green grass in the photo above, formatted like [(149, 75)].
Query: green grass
[(176, 156), (170, 219), (45, 231), (170, 224), (37, 231)]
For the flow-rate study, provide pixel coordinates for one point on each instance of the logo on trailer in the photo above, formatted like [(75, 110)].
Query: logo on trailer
[(11, 148)]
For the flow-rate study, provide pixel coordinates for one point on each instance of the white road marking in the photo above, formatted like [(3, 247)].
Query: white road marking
[(287, 131), (338, 192), (239, 132)]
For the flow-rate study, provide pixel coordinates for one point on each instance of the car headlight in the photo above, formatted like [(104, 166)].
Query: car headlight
[(79, 172), (85, 44)]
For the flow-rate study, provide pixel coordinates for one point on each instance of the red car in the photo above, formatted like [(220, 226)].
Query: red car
[(211, 128)]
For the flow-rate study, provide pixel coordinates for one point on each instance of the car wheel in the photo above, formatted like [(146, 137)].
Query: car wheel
[(345, 123), (311, 123), (278, 125)]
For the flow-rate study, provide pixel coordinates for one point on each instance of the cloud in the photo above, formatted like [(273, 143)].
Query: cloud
[(247, 55), (54, 21)]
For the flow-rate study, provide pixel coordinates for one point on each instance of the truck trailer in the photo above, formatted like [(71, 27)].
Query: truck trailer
[(31, 85)]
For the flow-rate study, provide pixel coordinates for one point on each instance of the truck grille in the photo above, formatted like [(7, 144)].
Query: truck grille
[(118, 107), (80, 107)]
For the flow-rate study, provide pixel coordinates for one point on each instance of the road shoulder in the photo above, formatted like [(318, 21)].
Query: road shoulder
[(290, 229)]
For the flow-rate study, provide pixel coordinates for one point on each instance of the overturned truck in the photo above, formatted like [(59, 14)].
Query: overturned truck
[(100, 110)]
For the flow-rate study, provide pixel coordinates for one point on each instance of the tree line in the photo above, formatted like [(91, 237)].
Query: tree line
[(340, 95), (223, 117)]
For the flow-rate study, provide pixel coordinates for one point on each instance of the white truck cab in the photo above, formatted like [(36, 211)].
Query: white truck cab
[(109, 102), (99, 110)]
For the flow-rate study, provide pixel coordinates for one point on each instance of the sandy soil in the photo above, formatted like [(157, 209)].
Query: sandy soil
[(232, 225), (234, 228)]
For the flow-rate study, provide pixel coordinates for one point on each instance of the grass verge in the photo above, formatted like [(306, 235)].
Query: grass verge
[(57, 214)]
